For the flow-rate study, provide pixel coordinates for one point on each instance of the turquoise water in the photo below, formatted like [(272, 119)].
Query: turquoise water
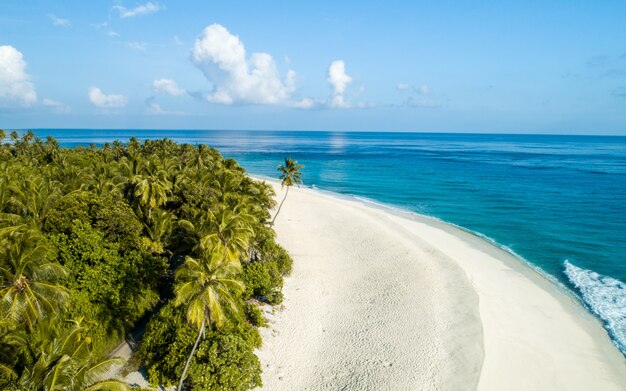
[(559, 202)]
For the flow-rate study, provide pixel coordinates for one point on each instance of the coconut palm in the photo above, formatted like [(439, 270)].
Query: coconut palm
[(31, 198), (52, 148), (151, 187), (159, 230), (290, 175), (206, 286), (27, 276), (63, 360), (231, 228)]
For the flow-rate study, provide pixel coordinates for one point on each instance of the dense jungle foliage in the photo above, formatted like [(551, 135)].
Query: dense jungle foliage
[(96, 241)]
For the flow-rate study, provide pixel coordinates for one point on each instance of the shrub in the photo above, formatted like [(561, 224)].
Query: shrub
[(225, 361), (254, 315)]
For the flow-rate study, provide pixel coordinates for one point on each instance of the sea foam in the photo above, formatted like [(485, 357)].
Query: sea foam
[(605, 296)]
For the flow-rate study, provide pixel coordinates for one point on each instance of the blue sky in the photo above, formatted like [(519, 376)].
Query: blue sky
[(511, 67)]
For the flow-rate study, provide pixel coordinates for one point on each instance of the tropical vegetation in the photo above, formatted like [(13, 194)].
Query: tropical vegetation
[(169, 238)]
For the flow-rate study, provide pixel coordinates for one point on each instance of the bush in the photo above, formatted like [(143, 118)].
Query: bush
[(225, 360), (112, 290), (166, 344), (254, 315), (168, 341)]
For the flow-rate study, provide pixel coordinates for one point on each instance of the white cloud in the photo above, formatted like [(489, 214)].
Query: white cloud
[(338, 80), (339, 101), (143, 9), (403, 86), (153, 108), (59, 21), (102, 101), (15, 84), (337, 77), (113, 34), (168, 86), (237, 78), (305, 103), (59, 107), (136, 45)]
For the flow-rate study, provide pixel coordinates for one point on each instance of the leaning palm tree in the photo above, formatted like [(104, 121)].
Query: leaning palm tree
[(206, 287), (28, 288), (290, 175)]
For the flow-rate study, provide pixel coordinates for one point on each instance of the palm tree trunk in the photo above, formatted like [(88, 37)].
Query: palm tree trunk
[(195, 346), (281, 204)]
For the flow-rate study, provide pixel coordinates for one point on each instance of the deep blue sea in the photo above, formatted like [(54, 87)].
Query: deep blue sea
[(559, 202)]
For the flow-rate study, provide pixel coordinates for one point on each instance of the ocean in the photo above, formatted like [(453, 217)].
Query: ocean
[(557, 202)]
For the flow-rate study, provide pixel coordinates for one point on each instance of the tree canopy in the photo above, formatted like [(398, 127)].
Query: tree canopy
[(96, 241)]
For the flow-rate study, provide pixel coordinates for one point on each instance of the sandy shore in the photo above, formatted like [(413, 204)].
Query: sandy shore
[(383, 301)]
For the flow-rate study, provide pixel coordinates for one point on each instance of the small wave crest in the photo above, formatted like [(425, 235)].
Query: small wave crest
[(605, 296)]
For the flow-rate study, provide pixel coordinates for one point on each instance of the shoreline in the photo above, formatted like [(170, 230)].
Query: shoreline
[(513, 259), (558, 325)]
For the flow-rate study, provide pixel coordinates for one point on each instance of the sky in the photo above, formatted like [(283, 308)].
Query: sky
[(446, 66)]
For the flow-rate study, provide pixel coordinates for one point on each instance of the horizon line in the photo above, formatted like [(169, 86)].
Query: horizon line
[(320, 131)]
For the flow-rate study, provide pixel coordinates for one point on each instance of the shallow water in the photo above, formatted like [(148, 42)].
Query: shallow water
[(547, 198)]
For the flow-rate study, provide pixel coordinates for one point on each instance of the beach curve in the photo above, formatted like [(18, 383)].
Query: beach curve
[(381, 301)]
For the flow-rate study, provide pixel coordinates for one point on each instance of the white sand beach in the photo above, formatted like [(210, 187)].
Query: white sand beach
[(382, 301)]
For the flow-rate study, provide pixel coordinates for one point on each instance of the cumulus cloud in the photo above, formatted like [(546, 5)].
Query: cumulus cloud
[(168, 86), (143, 9), (338, 80), (59, 21), (102, 101), (15, 84), (237, 78), (337, 77), (57, 106)]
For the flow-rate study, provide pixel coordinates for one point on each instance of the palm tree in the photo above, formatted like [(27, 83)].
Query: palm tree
[(31, 198), (231, 228), (159, 230), (27, 276), (63, 360), (290, 175), (207, 285), (151, 187), (52, 148)]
